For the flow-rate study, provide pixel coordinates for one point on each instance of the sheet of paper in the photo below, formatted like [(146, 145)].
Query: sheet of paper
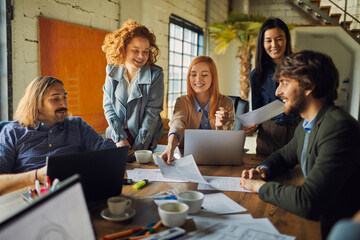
[(222, 184), (153, 175), (262, 114), (219, 203), (222, 230), (181, 169)]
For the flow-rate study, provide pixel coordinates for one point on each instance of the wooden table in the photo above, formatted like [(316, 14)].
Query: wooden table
[(146, 209)]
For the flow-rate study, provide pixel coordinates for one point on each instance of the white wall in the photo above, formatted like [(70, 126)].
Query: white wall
[(101, 14), (98, 14), (345, 53)]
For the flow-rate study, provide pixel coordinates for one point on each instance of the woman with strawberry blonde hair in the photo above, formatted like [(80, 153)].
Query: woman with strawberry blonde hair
[(134, 87), (202, 108)]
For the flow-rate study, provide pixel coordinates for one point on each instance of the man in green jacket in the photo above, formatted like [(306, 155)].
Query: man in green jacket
[(326, 145)]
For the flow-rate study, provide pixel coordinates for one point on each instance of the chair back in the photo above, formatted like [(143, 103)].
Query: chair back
[(241, 106)]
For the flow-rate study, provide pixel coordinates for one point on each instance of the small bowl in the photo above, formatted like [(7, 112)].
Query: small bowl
[(154, 157), (173, 214), (143, 156)]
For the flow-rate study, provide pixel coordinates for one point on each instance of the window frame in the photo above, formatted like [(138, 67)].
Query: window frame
[(189, 29)]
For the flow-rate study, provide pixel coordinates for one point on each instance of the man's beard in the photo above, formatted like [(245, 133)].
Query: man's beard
[(298, 104)]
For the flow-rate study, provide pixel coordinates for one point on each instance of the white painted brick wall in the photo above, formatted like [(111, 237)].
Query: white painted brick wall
[(100, 14)]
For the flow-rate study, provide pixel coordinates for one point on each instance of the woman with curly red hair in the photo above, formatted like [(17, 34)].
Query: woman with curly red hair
[(134, 87)]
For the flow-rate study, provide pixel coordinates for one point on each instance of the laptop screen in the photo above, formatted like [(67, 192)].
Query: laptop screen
[(62, 214), (102, 171)]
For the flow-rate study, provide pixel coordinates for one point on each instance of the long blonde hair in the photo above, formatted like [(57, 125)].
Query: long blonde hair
[(27, 111), (214, 88), (115, 43)]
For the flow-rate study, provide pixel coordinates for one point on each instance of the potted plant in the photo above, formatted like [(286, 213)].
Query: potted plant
[(243, 29)]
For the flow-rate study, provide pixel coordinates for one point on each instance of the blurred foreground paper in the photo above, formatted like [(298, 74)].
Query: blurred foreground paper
[(262, 114)]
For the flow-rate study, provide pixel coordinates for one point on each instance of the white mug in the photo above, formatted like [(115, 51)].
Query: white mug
[(193, 199), (173, 214), (118, 205)]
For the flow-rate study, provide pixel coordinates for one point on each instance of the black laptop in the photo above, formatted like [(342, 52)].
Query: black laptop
[(102, 172), (62, 214)]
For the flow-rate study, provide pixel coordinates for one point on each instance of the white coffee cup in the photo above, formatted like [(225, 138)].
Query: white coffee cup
[(143, 156), (193, 199), (173, 214), (118, 205)]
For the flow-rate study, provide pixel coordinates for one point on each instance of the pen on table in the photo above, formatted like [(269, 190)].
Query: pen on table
[(37, 187), (123, 233), (165, 197), (140, 184), (54, 185), (151, 230), (142, 232)]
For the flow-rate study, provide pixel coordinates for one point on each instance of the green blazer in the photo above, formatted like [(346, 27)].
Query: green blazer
[(331, 190)]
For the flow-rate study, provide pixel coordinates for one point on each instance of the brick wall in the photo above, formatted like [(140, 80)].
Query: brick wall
[(25, 43), (101, 14)]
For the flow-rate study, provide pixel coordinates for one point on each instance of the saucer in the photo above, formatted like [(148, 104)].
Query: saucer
[(129, 213)]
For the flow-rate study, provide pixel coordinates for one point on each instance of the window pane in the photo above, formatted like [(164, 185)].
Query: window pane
[(187, 35), (177, 59), (184, 72), (178, 32), (187, 47), (201, 51), (194, 37), (177, 85), (186, 60), (178, 46), (172, 44), (172, 58), (177, 73), (171, 72), (194, 51), (183, 87), (171, 86)]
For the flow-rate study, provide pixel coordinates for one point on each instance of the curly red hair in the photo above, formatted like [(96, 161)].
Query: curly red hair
[(115, 43)]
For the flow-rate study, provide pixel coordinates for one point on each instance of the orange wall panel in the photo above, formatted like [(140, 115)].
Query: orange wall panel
[(73, 54)]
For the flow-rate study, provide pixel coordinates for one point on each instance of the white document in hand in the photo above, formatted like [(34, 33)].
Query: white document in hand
[(262, 114), (181, 169)]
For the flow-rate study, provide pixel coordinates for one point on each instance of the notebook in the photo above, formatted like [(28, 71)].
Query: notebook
[(62, 214), (215, 147), (102, 172)]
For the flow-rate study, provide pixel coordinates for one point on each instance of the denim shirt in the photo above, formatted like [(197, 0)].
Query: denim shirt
[(23, 149), (140, 110)]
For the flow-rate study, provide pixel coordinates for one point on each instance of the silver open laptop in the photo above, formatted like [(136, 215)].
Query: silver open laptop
[(215, 147), (62, 214)]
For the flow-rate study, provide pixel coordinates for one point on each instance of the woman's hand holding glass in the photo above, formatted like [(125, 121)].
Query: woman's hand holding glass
[(221, 117)]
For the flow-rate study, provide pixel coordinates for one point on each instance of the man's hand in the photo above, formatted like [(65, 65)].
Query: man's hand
[(248, 180), (250, 129), (123, 143)]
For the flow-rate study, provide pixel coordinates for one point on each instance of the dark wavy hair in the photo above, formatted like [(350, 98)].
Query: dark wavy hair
[(262, 59), (312, 70)]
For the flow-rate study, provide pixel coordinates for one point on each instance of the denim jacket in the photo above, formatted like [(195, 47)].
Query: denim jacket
[(141, 108)]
